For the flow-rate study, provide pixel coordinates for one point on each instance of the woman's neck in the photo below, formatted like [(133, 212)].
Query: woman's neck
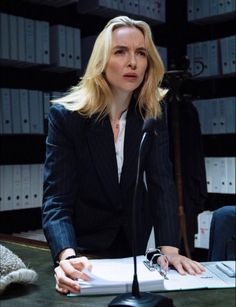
[(118, 107)]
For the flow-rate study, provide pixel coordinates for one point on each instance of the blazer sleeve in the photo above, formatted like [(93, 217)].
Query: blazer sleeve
[(161, 189), (60, 178)]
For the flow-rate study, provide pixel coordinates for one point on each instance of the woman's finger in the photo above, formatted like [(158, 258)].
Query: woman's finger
[(81, 263), (73, 269), (65, 282), (193, 267), (185, 265)]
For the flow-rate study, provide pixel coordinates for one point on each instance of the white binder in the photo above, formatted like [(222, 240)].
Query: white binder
[(38, 42), (214, 116), (41, 172), (144, 8), (4, 36), (230, 111), (1, 188), (114, 4), (204, 224), (231, 164), (205, 8), (198, 59), (205, 58), (58, 45), (77, 48), (162, 5), (69, 47), (25, 192), (17, 188), (41, 42), (190, 10), (225, 57), (34, 185), (213, 7), (214, 58), (46, 104), (8, 187), (232, 53), (13, 37), (131, 6), (16, 113), (45, 42), (221, 7), (198, 9), (36, 112), (24, 107), (40, 114), (229, 6), (216, 187), (120, 5), (29, 40), (5, 108), (21, 38), (221, 106), (208, 165), (223, 174)]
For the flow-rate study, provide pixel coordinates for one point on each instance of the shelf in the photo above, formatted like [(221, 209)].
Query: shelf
[(220, 18), (37, 77), (220, 145), (20, 220), (210, 87), (209, 31), (216, 201), (22, 149)]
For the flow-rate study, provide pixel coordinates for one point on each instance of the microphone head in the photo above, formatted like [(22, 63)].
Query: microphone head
[(150, 125)]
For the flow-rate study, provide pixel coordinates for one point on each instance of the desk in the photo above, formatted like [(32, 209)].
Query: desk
[(43, 293)]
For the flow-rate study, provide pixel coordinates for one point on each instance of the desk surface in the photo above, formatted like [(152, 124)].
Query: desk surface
[(43, 293)]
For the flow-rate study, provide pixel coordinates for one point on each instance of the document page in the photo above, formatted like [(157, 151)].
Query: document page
[(111, 276), (211, 278)]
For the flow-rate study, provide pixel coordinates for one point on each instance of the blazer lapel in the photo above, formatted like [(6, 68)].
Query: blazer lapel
[(102, 148), (133, 134)]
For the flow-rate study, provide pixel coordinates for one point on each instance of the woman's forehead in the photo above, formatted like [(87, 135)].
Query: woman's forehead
[(126, 35)]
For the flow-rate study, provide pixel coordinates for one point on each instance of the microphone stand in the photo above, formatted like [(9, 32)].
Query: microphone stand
[(137, 298)]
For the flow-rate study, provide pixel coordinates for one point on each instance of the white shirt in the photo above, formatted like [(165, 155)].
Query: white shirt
[(119, 145)]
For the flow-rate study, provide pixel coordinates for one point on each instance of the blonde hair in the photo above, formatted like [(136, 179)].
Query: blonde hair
[(92, 94)]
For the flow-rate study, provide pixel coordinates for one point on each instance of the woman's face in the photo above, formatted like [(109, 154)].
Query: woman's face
[(127, 64)]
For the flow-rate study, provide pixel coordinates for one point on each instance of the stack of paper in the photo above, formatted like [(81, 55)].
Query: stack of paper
[(114, 276)]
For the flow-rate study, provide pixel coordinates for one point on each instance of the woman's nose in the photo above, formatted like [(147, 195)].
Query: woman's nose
[(132, 62)]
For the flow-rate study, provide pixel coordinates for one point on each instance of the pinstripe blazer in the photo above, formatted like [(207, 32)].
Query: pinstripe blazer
[(84, 204)]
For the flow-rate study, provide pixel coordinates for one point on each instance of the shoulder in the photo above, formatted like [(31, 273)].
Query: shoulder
[(65, 119), (58, 110), (60, 113)]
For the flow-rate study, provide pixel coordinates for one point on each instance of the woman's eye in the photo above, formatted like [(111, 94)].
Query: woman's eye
[(142, 53), (119, 51)]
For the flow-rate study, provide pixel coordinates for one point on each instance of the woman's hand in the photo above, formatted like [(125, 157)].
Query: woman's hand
[(181, 263), (68, 272)]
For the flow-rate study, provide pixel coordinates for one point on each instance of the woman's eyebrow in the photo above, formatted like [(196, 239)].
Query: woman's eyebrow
[(126, 47)]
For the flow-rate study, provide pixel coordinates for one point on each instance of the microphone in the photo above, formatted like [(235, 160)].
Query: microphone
[(149, 128), (137, 298)]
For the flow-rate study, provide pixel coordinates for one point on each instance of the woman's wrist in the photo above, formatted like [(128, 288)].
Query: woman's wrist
[(68, 252), (169, 250)]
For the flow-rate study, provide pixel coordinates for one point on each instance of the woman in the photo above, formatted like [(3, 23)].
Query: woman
[(91, 159)]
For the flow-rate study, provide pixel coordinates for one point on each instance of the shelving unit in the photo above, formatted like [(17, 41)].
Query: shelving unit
[(217, 144), (30, 148), (174, 33)]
